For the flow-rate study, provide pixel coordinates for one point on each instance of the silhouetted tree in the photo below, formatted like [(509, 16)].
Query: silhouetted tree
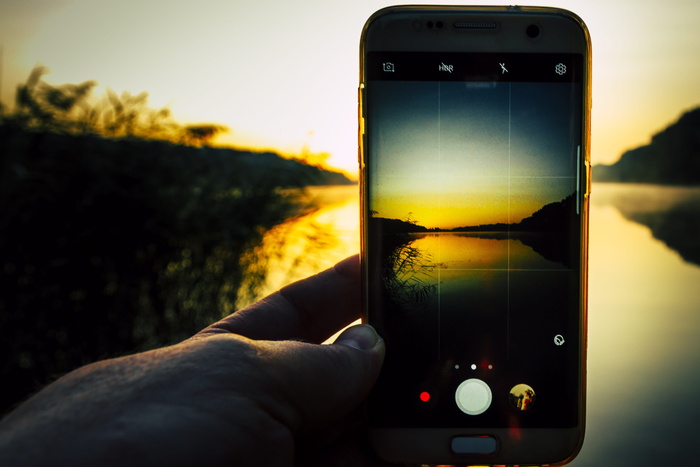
[(45, 107), (202, 134)]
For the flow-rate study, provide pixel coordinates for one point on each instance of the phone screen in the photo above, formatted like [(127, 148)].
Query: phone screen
[(474, 185)]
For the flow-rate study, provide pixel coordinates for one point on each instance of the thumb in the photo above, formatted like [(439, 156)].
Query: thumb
[(320, 384)]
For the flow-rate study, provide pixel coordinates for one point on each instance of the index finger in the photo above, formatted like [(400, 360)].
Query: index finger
[(311, 309)]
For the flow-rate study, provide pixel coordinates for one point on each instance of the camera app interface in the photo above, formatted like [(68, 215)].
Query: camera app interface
[(473, 192)]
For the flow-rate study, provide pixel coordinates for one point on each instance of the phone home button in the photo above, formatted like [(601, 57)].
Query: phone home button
[(473, 445)]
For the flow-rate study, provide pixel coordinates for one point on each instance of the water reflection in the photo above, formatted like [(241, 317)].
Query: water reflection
[(311, 243), (672, 213), (482, 251), (643, 327), (643, 322)]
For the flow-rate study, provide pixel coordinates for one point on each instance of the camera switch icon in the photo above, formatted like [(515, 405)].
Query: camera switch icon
[(388, 67)]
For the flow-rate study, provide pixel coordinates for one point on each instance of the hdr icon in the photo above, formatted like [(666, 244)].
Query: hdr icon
[(443, 67)]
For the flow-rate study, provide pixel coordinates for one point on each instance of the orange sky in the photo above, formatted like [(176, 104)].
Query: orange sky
[(456, 156), (284, 74)]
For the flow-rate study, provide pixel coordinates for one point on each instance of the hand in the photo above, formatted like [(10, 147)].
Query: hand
[(256, 388)]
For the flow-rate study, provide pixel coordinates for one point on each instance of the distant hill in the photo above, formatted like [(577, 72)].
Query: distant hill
[(552, 217), (672, 157), (283, 169), (250, 165)]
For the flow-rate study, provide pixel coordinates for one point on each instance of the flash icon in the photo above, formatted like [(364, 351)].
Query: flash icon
[(504, 70)]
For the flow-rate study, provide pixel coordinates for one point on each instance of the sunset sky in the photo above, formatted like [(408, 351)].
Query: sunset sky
[(284, 74), (460, 154)]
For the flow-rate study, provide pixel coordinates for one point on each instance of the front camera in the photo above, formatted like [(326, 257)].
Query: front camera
[(533, 31)]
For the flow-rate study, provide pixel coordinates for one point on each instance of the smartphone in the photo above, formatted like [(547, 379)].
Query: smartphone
[(475, 176)]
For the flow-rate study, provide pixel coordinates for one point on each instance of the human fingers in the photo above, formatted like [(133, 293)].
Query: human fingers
[(314, 386), (311, 309)]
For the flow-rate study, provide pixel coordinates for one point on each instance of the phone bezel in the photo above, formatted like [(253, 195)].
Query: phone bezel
[(395, 29)]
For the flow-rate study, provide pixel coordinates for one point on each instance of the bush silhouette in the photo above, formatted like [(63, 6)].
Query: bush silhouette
[(69, 108), (112, 243)]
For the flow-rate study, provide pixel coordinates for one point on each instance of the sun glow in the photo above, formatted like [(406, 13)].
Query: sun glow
[(275, 72)]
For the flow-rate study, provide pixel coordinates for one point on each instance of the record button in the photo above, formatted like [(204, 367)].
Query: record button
[(473, 396)]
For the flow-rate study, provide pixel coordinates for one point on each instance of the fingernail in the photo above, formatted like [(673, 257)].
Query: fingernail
[(361, 336)]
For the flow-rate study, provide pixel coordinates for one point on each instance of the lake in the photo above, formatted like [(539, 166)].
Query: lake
[(644, 312), (644, 323)]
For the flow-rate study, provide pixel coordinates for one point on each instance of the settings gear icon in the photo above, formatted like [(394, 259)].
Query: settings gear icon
[(560, 69)]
